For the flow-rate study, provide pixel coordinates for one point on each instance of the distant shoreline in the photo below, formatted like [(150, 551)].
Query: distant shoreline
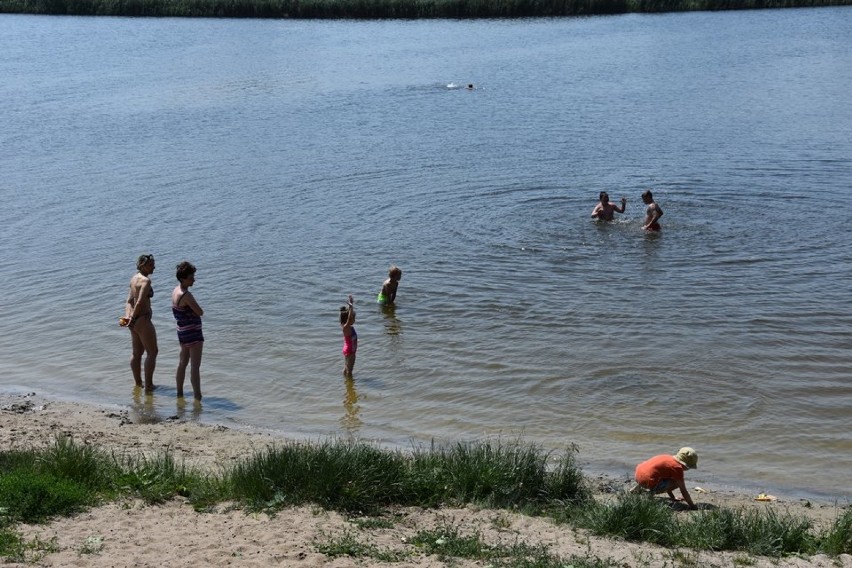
[(386, 9)]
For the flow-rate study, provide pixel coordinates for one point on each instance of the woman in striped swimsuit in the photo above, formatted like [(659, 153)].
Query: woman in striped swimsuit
[(188, 314)]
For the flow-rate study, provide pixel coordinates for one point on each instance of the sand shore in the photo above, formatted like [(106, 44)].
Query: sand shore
[(131, 533)]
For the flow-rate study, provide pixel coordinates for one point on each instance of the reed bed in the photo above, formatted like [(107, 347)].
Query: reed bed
[(357, 478), (385, 9)]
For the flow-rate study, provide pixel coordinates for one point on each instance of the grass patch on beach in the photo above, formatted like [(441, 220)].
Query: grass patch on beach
[(760, 532), (14, 548), (838, 539), (156, 479), (348, 544), (36, 485), (67, 477), (448, 543), (350, 477), (496, 475), (360, 478), (631, 517)]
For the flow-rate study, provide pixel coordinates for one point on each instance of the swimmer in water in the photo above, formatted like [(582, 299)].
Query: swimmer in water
[(653, 213), (604, 211), (388, 294)]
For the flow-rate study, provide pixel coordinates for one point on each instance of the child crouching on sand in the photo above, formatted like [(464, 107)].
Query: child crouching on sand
[(350, 338), (664, 473)]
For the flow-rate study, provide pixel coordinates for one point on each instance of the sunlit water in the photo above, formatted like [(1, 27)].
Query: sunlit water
[(293, 162)]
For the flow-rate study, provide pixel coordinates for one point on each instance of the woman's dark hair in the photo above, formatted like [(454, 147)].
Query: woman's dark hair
[(344, 314), (184, 270)]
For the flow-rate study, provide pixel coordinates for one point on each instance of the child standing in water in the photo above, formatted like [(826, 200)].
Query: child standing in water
[(388, 294), (350, 338)]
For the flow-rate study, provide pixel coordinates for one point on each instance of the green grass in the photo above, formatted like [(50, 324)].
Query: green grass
[(838, 539), (759, 532), (496, 475), (13, 548), (365, 482), (355, 478), (348, 544), (764, 533), (383, 9), (631, 517), (359, 478)]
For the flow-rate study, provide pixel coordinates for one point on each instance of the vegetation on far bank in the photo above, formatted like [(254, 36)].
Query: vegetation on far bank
[(385, 9), (365, 483)]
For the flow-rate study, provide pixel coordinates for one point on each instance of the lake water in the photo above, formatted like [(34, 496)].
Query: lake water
[(294, 161)]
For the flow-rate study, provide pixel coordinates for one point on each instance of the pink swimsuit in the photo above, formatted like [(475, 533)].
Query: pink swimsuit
[(350, 344)]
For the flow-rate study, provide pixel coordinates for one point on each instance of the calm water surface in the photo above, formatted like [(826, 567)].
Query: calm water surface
[(292, 162)]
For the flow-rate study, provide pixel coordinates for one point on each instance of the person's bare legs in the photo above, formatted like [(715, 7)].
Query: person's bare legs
[(144, 333), (180, 374), (136, 358), (348, 364), (190, 355), (195, 369)]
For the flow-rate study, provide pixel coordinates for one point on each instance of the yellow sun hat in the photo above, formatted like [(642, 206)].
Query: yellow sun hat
[(688, 457)]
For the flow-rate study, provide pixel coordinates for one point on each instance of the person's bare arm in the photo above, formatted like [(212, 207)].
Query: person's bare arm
[(351, 317), (682, 486), (193, 304)]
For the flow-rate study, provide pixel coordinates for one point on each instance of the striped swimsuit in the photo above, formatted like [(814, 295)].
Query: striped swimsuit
[(188, 325)]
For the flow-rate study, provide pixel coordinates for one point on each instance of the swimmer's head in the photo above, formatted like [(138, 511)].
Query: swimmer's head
[(344, 315), (604, 197), (395, 273), (470, 86), (647, 196)]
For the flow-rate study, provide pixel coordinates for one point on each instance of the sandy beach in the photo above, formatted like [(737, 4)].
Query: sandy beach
[(132, 533)]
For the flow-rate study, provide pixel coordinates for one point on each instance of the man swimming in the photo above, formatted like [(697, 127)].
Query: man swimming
[(604, 210), (653, 213)]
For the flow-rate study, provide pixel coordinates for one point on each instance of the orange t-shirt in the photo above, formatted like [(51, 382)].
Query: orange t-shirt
[(651, 472)]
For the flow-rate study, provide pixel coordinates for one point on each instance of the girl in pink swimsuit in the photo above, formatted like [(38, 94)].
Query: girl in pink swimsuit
[(350, 337)]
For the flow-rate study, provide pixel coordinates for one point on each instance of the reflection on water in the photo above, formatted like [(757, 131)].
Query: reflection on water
[(148, 408), (393, 326), (195, 411), (142, 410), (351, 422)]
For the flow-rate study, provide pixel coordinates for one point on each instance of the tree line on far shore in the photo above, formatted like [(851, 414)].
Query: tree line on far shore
[(385, 9)]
